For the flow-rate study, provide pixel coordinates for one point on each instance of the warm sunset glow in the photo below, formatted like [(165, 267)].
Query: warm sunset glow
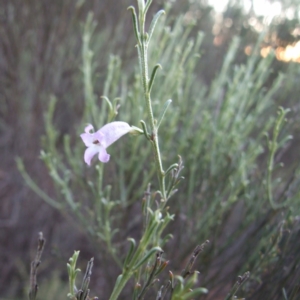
[(290, 53), (248, 50), (218, 40)]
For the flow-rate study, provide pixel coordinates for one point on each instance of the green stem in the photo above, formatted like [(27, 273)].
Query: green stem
[(119, 286), (143, 60), (154, 134), (155, 143), (269, 177), (273, 147), (127, 273)]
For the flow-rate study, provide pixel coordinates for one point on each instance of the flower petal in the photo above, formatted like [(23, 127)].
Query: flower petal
[(90, 152), (88, 138), (88, 128), (103, 155), (112, 132)]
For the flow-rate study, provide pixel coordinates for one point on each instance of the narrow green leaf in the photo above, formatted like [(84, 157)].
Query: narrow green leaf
[(147, 6), (153, 75), (153, 23), (147, 256), (171, 168), (194, 293), (135, 24), (147, 135), (130, 252)]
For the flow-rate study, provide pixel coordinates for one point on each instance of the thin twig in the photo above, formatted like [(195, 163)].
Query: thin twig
[(237, 285), (197, 250), (34, 265), (83, 293)]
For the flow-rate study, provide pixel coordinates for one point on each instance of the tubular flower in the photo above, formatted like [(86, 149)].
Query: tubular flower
[(98, 141)]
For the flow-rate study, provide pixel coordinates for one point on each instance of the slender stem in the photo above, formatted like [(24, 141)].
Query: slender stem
[(34, 266), (127, 273), (119, 286), (154, 134), (273, 147), (144, 66), (269, 177), (143, 60), (155, 143)]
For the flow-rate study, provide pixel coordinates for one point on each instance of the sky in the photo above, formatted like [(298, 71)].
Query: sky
[(261, 7), (268, 10)]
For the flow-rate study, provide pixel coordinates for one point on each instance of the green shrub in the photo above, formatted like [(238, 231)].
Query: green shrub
[(229, 195)]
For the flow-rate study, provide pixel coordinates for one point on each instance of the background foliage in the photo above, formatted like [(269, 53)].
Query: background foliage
[(223, 104)]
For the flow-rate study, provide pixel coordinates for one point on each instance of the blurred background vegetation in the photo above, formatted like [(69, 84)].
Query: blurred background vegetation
[(226, 84)]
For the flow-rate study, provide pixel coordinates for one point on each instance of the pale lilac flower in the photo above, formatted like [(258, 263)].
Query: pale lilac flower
[(98, 141)]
